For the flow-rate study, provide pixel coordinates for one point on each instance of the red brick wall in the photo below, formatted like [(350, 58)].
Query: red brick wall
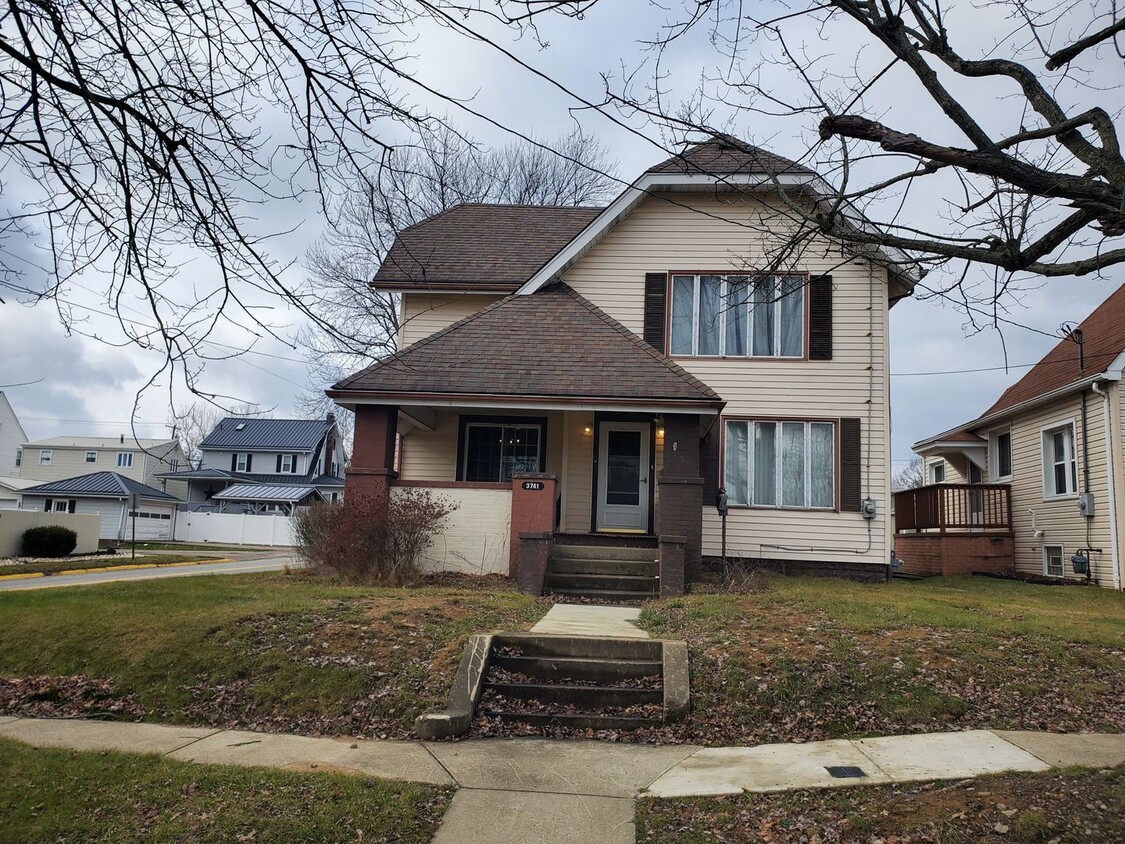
[(954, 553), (373, 451), (533, 511)]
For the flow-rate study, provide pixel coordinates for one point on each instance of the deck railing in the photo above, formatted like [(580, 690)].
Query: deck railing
[(954, 507)]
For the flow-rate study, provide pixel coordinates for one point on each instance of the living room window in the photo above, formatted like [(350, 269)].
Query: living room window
[(1060, 470), (1000, 454), (493, 451), (780, 463), (738, 316)]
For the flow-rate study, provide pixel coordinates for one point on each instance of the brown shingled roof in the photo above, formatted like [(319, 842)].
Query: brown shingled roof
[(553, 343), (725, 155), (480, 246), (1103, 333)]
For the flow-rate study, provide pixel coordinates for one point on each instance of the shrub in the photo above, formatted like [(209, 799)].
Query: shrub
[(373, 540), (50, 541)]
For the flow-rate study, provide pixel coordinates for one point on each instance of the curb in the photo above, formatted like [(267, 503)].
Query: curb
[(123, 567)]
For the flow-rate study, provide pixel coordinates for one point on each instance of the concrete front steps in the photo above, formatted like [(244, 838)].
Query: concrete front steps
[(570, 682), (613, 570)]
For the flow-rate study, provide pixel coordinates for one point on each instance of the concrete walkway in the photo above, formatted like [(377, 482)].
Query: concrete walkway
[(605, 622), (517, 790)]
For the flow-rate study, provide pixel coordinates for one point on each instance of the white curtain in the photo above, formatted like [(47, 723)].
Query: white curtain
[(765, 464), (793, 464), (764, 324), (792, 316), (736, 304), (683, 313), (823, 465), (734, 459), (710, 307)]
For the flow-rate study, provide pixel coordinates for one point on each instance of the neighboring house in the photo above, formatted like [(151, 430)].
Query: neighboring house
[(10, 491), (111, 496), (12, 437), (1054, 444), (254, 465), (142, 460), (600, 372)]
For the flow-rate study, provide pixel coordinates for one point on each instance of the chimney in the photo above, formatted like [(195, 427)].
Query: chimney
[(123, 439), (331, 418)]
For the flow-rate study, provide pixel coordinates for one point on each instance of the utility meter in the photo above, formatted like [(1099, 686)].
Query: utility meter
[(868, 508)]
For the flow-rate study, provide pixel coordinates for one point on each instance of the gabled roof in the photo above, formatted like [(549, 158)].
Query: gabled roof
[(236, 433), (480, 247), (99, 485), (114, 443), (1060, 371), (554, 344), (1103, 335), (726, 155)]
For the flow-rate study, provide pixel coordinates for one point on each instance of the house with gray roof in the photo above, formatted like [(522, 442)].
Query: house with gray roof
[(576, 379), (126, 507), (255, 465)]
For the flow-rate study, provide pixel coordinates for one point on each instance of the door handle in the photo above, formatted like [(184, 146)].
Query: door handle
[(644, 480)]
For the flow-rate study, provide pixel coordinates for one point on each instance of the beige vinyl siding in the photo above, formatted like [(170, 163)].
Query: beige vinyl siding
[(578, 472), (70, 462), (956, 469), (1059, 518), (425, 313), (670, 236)]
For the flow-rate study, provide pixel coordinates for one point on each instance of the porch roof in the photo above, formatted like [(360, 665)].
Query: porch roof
[(553, 345), (265, 492)]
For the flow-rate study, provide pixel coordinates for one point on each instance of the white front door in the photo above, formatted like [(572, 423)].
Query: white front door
[(623, 476)]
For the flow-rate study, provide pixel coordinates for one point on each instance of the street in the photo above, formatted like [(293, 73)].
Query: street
[(245, 566)]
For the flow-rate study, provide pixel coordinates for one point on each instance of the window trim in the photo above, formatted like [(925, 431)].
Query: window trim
[(124, 460), (1044, 432), (464, 420), (292, 459), (724, 275), (994, 435), (931, 472), (1062, 559), (46, 456), (836, 491), (242, 461), (87, 457)]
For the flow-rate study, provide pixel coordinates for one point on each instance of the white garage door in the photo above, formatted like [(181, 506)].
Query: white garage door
[(152, 522), (108, 510)]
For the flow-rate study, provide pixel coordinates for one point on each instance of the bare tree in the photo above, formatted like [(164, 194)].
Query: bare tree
[(910, 476), (446, 169), (1008, 111)]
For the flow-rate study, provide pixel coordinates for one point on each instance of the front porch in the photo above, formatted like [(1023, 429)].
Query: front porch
[(950, 529), (525, 479)]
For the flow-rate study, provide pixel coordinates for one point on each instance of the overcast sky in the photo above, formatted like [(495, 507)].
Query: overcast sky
[(85, 386)]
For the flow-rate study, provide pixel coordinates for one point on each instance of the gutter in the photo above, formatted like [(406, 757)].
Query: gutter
[(1111, 490)]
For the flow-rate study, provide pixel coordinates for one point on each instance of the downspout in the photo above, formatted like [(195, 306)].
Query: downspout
[(1111, 492)]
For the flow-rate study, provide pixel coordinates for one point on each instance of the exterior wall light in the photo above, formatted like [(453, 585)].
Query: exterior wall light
[(588, 429)]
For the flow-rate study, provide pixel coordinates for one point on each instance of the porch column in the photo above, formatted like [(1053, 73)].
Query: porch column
[(679, 510), (373, 451), (534, 502)]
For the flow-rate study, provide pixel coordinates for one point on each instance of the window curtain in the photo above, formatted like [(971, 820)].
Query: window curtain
[(710, 308), (764, 323), (793, 464), (792, 316), (765, 464), (734, 459), (737, 300), (683, 314), (823, 465)]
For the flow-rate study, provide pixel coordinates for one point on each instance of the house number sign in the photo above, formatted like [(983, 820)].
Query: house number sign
[(533, 485)]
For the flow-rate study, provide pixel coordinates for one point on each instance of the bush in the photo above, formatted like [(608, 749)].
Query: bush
[(51, 541), (373, 540)]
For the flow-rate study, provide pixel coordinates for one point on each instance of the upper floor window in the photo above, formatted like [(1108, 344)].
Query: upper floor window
[(242, 463), (174, 464), (124, 460), (46, 455), (780, 464), (288, 464), (1000, 454), (1060, 470), (738, 316), (19, 457), (937, 472), (91, 457)]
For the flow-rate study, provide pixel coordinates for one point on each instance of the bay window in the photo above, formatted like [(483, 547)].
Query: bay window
[(780, 463), (738, 316)]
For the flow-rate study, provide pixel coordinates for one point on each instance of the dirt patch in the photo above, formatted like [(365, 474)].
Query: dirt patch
[(75, 696), (1052, 808)]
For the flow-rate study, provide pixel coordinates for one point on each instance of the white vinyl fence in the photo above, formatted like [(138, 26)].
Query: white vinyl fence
[(235, 528)]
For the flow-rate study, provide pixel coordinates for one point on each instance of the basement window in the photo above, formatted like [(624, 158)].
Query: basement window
[(1053, 560)]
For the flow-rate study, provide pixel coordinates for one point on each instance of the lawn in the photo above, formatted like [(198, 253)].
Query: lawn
[(1063, 807), (85, 563), (58, 795), (272, 652), (808, 659)]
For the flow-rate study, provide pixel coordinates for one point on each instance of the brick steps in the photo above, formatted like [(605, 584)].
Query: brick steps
[(604, 571)]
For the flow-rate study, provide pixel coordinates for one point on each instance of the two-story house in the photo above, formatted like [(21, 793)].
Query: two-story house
[(12, 437), (254, 465), (1037, 478), (142, 460), (574, 378)]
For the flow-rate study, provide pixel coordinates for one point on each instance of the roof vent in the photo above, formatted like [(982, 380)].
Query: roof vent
[(240, 426)]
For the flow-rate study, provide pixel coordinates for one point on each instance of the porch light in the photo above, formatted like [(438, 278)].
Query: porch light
[(587, 429), (660, 432)]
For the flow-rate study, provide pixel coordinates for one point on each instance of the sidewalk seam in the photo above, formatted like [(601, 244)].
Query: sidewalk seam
[(855, 746), (666, 770), (558, 793), (1046, 762), (441, 765)]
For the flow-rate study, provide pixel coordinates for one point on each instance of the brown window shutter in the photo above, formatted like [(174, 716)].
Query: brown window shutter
[(820, 317), (709, 463), (656, 295), (850, 459)]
